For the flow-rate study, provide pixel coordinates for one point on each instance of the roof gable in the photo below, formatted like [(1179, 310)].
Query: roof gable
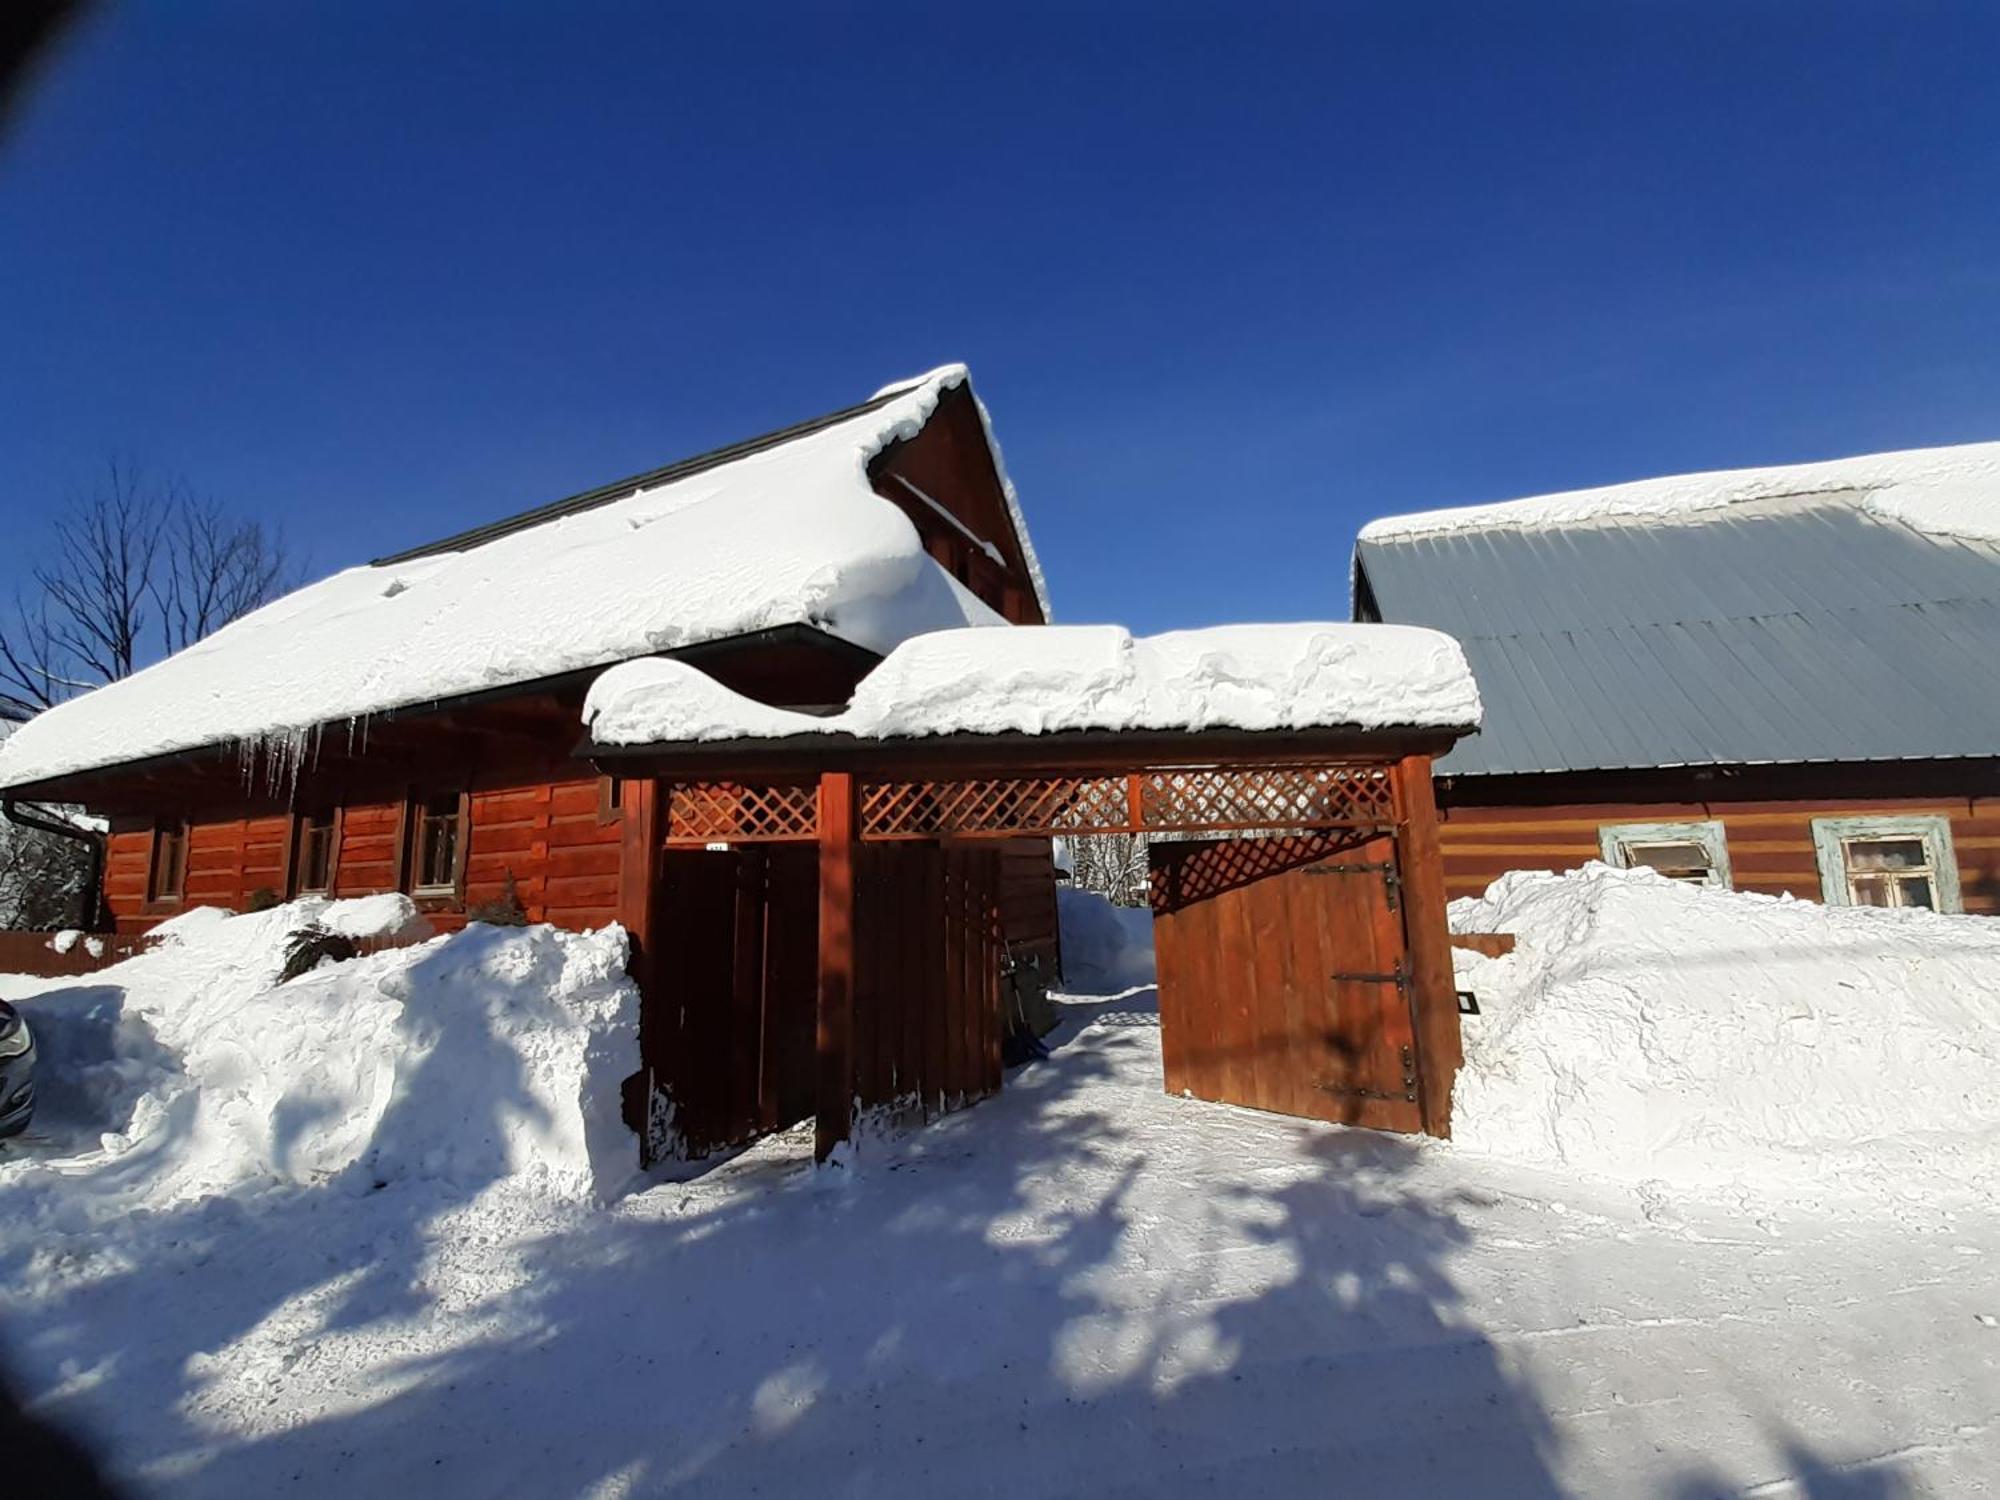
[(784, 530)]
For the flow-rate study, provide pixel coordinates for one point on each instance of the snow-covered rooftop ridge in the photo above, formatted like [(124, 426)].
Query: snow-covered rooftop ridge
[(1947, 492), (1056, 678), (791, 534)]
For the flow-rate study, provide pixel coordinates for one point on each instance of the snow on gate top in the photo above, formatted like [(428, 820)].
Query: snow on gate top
[(790, 534), (1043, 679)]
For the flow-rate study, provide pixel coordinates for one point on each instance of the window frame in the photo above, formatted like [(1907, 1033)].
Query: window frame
[(301, 823), (1709, 833), (158, 898), (1830, 836), (415, 815)]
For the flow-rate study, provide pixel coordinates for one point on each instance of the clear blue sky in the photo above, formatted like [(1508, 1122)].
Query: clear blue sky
[(1232, 279)]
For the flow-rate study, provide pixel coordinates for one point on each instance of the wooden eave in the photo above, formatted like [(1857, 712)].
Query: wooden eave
[(1017, 753), (468, 716)]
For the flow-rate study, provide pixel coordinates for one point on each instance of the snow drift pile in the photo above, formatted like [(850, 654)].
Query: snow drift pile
[(1046, 679), (1106, 949), (1646, 1029), (493, 1055)]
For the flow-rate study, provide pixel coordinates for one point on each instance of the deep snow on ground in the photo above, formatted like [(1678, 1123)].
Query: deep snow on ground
[(1082, 1287), (1656, 1031)]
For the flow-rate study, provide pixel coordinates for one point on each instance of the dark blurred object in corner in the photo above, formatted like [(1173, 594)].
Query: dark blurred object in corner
[(42, 1461), (27, 28)]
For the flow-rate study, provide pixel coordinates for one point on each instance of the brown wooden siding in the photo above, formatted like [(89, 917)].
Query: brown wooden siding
[(1028, 896), (1770, 842)]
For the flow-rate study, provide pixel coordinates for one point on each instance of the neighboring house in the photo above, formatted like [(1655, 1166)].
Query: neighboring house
[(1781, 680), (411, 724)]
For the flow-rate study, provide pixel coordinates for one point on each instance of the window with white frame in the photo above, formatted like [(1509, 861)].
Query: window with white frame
[(1696, 853), (1888, 861)]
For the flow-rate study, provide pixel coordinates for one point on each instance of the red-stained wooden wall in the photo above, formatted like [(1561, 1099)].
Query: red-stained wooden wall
[(1770, 841)]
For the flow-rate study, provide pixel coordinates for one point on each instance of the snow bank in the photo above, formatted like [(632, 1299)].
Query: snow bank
[(790, 535), (1949, 492), (1045, 679), (1646, 1029), (493, 1055), (1106, 949)]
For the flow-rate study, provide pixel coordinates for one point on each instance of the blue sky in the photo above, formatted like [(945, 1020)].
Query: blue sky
[(1233, 279)]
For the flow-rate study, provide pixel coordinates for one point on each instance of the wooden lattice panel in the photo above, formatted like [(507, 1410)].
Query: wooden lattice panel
[(1260, 799), (1013, 805), (722, 812), (1267, 797)]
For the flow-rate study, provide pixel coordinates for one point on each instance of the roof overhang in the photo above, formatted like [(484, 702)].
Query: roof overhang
[(1016, 753), (79, 786)]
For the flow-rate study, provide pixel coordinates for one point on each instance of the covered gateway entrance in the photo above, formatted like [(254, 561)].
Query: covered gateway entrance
[(1303, 957)]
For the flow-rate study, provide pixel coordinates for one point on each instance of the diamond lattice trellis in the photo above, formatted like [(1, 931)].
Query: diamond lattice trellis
[(703, 812)]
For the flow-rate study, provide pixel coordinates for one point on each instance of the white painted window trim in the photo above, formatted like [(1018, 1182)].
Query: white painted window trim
[(1935, 831), (1612, 838)]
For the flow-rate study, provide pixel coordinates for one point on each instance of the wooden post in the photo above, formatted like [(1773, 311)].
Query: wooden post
[(837, 835), (639, 843), (1433, 991)]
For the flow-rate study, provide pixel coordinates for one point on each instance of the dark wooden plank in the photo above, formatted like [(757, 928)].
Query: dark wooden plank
[(746, 991), (835, 1032), (1433, 991)]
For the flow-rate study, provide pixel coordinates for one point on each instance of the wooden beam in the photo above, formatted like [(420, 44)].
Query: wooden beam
[(1433, 991), (839, 828), (640, 802)]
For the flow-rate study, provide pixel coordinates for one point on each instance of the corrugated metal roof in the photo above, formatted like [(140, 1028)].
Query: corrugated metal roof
[(1792, 630)]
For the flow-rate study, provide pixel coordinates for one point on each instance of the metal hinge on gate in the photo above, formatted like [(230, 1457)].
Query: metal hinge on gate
[(1407, 1096), (1392, 879), (1398, 976)]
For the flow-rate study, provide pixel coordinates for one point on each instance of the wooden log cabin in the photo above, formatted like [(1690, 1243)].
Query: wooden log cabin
[(411, 724), (1778, 680)]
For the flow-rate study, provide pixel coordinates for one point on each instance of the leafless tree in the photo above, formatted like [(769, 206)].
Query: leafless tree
[(130, 571), (1111, 864), (216, 567)]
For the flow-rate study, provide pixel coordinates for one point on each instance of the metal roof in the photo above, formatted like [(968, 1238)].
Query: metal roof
[(1791, 630)]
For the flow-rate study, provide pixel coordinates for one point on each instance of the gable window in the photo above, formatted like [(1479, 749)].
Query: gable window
[(1891, 861), (439, 835), (317, 840), (166, 877), (1695, 853)]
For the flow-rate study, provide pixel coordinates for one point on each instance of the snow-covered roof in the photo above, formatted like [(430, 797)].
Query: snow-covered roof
[(1952, 492), (1056, 678), (1825, 612), (788, 533)]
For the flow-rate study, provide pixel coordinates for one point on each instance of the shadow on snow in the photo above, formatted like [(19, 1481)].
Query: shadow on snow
[(1026, 1299)]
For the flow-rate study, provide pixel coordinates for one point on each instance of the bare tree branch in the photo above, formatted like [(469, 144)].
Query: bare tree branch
[(129, 572)]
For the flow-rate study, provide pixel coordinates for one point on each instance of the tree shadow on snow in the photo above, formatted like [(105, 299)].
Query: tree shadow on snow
[(1067, 1290), (1029, 1298)]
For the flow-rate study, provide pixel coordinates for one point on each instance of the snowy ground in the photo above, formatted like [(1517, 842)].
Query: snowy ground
[(1083, 1287)]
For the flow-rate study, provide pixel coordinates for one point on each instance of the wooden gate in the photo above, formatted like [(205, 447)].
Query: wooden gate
[(1285, 977), (730, 1033)]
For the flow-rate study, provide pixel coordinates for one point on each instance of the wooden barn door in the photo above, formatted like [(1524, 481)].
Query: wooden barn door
[(1284, 976), (927, 1021), (737, 972)]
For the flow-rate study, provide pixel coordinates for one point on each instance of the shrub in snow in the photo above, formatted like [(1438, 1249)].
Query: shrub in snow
[(1106, 949), (1648, 1029)]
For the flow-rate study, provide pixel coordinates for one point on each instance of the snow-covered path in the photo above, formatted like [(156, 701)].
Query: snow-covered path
[(1084, 1287)]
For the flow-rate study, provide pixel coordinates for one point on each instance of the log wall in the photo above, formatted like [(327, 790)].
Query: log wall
[(1770, 840)]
